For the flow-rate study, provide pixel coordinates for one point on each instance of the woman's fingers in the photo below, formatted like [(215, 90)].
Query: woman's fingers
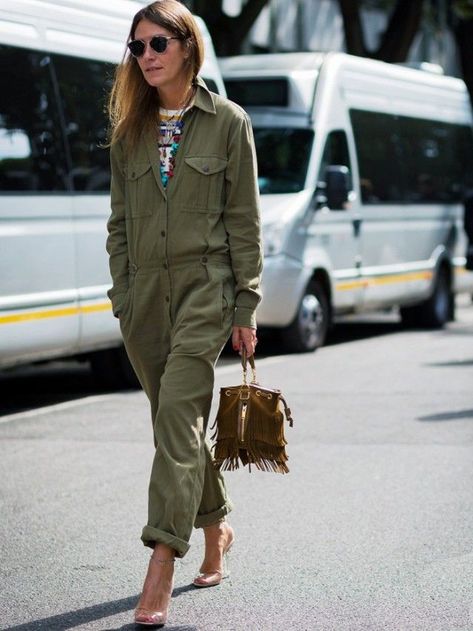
[(236, 338), (244, 336), (248, 337)]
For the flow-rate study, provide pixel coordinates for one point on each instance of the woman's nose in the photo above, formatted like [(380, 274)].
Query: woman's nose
[(149, 52)]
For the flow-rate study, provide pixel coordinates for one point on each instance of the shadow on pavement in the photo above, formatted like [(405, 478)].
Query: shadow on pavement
[(453, 364), (80, 617), (270, 342), (354, 331), (33, 387), (448, 416)]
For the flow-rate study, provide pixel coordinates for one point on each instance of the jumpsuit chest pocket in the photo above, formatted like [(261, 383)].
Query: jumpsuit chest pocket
[(205, 191), (140, 189)]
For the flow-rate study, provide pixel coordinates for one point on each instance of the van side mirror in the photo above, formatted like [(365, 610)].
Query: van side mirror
[(320, 198), (337, 186)]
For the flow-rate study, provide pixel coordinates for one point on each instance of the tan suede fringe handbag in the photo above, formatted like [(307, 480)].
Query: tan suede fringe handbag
[(249, 426)]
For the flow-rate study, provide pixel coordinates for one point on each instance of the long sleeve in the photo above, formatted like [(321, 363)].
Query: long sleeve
[(117, 246), (242, 220)]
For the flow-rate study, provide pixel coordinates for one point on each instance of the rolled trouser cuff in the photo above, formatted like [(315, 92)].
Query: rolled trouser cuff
[(151, 536), (201, 521)]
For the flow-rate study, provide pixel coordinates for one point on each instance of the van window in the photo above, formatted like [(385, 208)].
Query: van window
[(52, 122), (438, 160), (335, 152), (83, 87), (410, 160), (32, 153), (283, 157), (258, 92), (379, 151)]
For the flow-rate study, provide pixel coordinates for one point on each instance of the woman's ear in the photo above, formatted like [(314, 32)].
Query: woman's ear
[(187, 49)]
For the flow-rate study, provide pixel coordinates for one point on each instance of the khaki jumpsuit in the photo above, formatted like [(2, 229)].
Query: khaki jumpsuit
[(185, 263)]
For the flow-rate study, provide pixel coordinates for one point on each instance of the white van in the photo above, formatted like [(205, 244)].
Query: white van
[(57, 60), (362, 169)]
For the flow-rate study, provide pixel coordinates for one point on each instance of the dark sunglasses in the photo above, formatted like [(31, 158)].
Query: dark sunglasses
[(159, 43)]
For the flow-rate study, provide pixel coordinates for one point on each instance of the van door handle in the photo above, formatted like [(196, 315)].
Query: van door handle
[(357, 226)]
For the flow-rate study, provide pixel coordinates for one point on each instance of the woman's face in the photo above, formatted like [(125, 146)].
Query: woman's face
[(161, 70)]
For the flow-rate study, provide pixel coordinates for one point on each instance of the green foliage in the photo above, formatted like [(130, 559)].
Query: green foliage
[(463, 9)]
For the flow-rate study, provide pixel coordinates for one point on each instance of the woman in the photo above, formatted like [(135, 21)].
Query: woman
[(185, 259)]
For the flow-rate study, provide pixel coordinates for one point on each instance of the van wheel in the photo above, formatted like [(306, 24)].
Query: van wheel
[(309, 328), (112, 367), (437, 310)]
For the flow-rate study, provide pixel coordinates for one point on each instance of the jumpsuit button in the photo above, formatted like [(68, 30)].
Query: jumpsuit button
[(167, 298), (204, 259), (133, 174), (205, 169), (163, 234)]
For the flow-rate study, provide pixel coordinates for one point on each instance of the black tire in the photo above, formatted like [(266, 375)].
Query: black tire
[(309, 328), (112, 367), (437, 310)]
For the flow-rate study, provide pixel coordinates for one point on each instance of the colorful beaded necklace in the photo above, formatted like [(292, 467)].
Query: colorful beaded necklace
[(170, 131)]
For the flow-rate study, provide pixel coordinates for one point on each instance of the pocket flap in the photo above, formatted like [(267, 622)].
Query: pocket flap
[(137, 169), (207, 165)]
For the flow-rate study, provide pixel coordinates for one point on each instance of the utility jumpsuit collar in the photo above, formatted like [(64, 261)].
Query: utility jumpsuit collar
[(203, 98)]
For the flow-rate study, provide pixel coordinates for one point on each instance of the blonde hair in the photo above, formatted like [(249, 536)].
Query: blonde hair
[(133, 103)]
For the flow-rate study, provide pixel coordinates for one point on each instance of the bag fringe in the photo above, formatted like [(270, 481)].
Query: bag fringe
[(263, 442)]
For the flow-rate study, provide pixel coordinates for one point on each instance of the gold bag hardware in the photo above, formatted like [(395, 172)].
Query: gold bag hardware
[(249, 426)]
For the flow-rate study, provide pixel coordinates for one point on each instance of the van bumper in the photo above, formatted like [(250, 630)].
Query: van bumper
[(283, 282)]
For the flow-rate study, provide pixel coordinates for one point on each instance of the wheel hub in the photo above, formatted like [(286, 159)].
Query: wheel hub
[(311, 319)]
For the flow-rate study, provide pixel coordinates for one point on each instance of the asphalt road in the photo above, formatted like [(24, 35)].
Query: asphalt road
[(372, 529)]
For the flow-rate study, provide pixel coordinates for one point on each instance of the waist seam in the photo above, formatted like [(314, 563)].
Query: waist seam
[(159, 264)]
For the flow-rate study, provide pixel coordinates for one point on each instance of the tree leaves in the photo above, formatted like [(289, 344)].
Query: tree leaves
[(463, 9)]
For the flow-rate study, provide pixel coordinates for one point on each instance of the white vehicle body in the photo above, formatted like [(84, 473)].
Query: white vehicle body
[(403, 138), (56, 63)]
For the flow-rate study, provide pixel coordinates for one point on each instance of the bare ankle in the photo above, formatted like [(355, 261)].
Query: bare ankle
[(163, 554), (217, 534)]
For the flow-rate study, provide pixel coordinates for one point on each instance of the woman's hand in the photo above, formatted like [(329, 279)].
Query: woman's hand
[(244, 337)]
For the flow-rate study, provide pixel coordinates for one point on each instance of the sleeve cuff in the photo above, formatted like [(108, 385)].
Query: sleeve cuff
[(244, 316)]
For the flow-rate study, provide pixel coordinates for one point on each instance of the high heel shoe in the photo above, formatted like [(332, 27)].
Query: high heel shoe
[(215, 577), (153, 619)]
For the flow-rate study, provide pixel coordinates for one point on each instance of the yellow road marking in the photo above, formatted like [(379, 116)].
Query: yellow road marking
[(383, 280), (54, 313), (106, 306)]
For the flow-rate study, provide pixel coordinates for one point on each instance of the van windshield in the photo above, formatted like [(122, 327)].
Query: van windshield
[(283, 156)]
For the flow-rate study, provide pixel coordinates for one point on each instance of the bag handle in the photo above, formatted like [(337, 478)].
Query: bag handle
[(251, 360), (244, 361)]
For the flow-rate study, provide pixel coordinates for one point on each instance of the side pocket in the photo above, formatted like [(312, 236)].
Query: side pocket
[(127, 309)]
